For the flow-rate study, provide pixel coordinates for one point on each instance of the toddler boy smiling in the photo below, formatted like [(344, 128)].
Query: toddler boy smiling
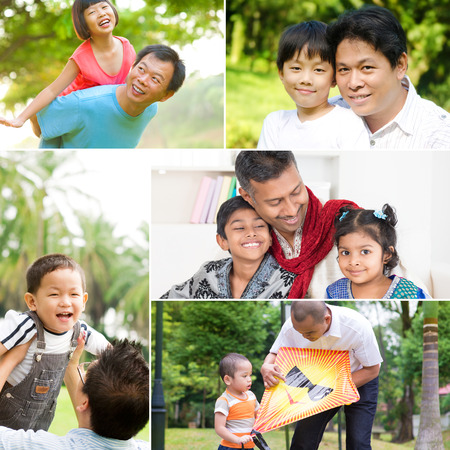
[(56, 296)]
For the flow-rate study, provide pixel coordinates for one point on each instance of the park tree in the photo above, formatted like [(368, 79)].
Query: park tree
[(201, 334), (430, 434)]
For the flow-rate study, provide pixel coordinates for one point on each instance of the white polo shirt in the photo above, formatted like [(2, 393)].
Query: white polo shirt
[(420, 124), (349, 330)]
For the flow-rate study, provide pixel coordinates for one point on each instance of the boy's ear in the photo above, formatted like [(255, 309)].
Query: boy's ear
[(333, 83), (280, 74), (223, 243), (30, 301), (85, 299), (246, 196), (227, 380)]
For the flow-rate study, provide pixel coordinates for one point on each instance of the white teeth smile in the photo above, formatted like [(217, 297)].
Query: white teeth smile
[(138, 90), (359, 97), (251, 245), (104, 22)]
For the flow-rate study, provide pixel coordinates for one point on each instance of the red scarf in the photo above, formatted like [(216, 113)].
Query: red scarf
[(317, 241)]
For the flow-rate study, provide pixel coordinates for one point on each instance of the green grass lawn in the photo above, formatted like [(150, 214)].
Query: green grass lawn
[(65, 419), (206, 439), (250, 97)]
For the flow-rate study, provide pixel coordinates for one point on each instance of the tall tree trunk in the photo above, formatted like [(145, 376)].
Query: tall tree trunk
[(237, 39), (407, 403), (406, 423), (430, 434)]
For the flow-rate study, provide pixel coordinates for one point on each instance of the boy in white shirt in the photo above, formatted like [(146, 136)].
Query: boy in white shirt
[(306, 68)]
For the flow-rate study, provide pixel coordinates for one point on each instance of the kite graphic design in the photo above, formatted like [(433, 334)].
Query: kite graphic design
[(316, 380)]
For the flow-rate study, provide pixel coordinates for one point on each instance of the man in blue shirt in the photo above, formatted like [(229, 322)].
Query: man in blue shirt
[(110, 398), (113, 116)]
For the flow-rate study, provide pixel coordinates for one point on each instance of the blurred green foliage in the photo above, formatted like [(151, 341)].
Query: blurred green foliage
[(194, 120)]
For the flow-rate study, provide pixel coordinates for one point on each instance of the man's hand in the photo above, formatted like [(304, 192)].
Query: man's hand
[(271, 374)]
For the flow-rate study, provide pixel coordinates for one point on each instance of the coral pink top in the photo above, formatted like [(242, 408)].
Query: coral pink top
[(91, 74)]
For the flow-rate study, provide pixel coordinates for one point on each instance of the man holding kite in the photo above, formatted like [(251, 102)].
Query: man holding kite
[(317, 325)]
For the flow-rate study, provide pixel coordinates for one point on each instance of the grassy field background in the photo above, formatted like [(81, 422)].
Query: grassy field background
[(65, 419), (250, 97), (206, 439)]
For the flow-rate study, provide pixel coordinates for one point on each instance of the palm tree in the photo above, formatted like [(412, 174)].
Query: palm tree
[(430, 434)]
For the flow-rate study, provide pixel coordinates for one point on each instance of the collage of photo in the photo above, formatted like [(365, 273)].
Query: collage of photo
[(224, 225)]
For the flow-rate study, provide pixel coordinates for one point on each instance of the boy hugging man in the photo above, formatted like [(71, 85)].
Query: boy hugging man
[(306, 67), (251, 272), (56, 296), (235, 410)]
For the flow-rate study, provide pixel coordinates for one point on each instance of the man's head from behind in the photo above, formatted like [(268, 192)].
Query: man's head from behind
[(117, 387), (157, 73), (310, 318)]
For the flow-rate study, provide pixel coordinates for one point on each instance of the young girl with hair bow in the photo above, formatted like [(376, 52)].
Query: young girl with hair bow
[(366, 241)]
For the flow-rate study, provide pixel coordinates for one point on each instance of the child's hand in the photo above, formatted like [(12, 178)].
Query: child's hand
[(15, 123), (245, 439), (75, 360)]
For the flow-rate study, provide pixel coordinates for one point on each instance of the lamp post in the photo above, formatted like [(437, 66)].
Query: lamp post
[(158, 404)]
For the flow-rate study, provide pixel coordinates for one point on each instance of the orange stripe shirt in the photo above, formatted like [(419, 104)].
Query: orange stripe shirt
[(240, 414)]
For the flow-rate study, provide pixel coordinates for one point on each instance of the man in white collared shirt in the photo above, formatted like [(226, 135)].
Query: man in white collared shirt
[(371, 63), (315, 324)]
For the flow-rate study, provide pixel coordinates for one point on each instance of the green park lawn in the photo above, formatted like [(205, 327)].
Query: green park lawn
[(65, 419), (206, 439)]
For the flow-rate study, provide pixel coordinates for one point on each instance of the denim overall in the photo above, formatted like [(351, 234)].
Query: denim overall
[(31, 404)]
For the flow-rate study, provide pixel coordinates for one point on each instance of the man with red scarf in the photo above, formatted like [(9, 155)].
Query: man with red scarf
[(302, 229)]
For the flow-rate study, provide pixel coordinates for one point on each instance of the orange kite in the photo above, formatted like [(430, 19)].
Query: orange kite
[(316, 380)]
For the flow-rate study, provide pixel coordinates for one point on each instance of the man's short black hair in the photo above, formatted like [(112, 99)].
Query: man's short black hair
[(261, 166), (166, 54), (374, 25), (118, 389)]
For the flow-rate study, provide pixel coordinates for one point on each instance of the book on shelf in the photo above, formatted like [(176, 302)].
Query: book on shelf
[(215, 199), (200, 200), (207, 205)]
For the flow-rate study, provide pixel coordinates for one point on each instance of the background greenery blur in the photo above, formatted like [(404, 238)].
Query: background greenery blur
[(37, 39), (253, 28), (39, 215)]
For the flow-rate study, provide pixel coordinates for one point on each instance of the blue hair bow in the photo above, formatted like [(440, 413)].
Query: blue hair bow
[(343, 215), (380, 214)]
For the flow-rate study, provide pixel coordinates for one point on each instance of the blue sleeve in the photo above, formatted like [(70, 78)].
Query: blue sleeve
[(60, 117), (328, 293)]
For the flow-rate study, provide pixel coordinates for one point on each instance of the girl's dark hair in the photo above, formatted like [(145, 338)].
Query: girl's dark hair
[(351, 220), (79, 23), (309, 35)]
